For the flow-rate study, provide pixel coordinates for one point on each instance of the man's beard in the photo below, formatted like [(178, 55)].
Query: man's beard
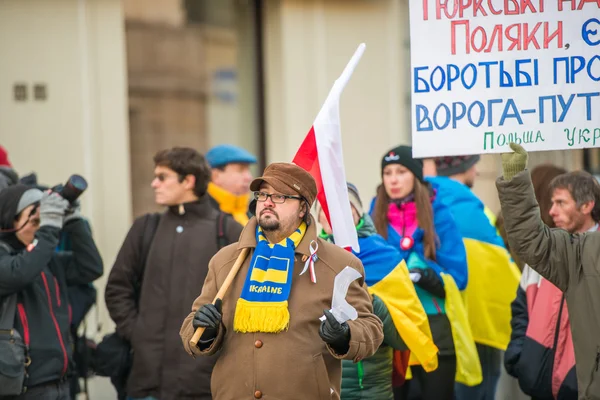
[(269, 224)]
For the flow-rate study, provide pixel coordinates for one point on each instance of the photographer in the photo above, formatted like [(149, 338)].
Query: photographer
[(30, 225)]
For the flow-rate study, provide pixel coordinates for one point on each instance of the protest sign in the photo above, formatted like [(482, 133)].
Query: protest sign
[(486, 73)]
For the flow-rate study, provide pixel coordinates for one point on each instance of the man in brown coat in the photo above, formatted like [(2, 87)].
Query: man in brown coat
[(271, 341), (570, 261)]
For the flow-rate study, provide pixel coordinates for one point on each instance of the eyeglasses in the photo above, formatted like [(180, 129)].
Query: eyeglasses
[(275, 198), (163, 177)]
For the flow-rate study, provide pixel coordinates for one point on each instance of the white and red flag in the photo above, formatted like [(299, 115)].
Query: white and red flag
[(321, 155)]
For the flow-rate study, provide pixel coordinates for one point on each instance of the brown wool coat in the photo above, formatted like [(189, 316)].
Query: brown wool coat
[(294, 364)]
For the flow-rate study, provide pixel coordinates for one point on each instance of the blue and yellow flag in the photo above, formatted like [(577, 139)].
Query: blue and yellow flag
[(493, 276), (387, 277), (263, 304), (468, 364)]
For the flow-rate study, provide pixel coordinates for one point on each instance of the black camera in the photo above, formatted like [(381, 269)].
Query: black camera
[(71, 190)]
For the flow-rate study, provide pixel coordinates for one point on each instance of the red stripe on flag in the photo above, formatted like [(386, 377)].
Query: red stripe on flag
[(307, 158)]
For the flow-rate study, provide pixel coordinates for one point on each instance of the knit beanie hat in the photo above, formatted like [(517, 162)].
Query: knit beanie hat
[(354, 198), (15, 199), (403, 155), (448, 166)]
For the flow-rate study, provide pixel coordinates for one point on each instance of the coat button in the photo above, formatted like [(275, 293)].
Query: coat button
[(257, 394), (258, 344)]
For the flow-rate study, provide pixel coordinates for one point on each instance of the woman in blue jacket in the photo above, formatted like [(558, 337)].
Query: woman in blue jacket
[(408, 215)]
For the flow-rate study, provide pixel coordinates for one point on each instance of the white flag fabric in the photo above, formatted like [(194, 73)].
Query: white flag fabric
[(321, 155)]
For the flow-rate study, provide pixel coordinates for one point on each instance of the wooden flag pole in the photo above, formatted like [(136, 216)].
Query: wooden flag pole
[(223, 290)]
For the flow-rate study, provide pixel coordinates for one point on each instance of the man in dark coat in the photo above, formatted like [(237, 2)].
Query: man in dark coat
[(189, 233)]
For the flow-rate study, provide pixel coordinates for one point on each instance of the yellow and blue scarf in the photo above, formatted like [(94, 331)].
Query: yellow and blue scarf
[(263, 304)]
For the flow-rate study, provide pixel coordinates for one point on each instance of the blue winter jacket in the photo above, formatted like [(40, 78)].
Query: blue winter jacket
[(451, 257)]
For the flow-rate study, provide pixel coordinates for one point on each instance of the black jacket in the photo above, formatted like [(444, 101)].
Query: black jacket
[(175, 271), (40, 277)]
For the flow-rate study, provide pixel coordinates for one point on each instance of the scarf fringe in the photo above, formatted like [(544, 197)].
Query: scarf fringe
[(271, 317)]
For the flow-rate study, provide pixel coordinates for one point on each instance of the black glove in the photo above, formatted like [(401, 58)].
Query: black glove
[(209, 317), (335, 334), (427, 279)]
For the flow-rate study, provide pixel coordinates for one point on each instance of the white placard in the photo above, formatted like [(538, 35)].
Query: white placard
[(489, 72)]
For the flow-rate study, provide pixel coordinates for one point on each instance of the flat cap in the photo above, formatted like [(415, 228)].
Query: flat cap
[(288, 178), (221, 155)]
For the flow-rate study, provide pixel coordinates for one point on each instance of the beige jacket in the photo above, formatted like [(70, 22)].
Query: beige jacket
[(295, 364)]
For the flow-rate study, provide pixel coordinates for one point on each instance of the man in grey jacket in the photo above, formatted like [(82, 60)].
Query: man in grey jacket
[(569, 261)]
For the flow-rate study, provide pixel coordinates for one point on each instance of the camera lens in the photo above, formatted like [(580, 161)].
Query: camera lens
[(78, 182), (73, 188)]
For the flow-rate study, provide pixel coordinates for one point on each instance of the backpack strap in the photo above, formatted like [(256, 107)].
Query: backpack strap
[(150, 224), (222, 240)]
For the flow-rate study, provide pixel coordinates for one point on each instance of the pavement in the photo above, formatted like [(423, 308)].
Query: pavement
[(99, 388)]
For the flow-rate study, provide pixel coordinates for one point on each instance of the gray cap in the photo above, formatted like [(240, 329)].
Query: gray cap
[(29, 197)]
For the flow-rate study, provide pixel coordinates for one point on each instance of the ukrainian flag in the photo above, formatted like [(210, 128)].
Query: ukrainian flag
[(387, 277), (493, 276)]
